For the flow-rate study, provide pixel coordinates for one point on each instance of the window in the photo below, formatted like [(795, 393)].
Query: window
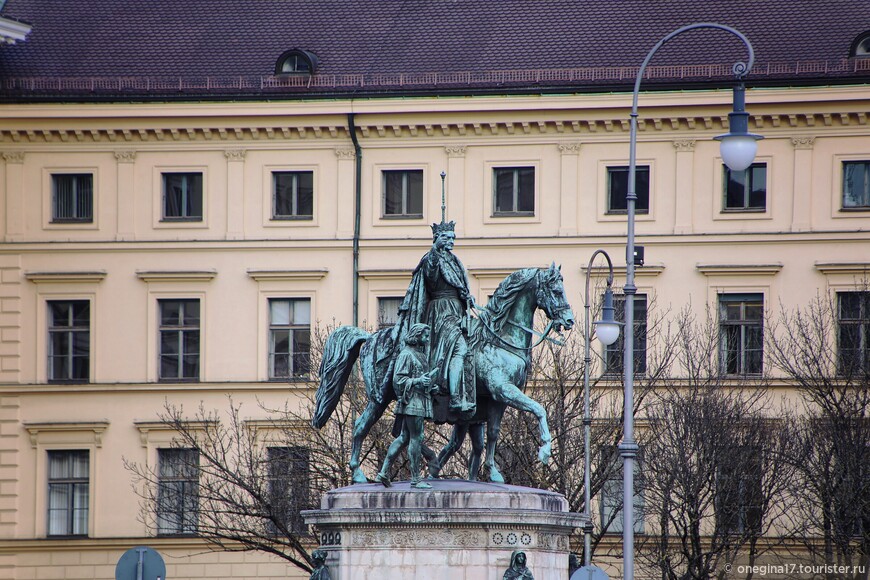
[(293, 196), (296, 61), (611, 494), (288, 487), (403, 193), (740, 326), (617, 189), (746, 190), (68, 493), (861, 46), (182, 196), (72, 198), (69, 340), (388, 311), (179, 340), (856, 184), (613, 352), (177, 497), (289, 338), (738, 494), (514, 191), (853, 333)]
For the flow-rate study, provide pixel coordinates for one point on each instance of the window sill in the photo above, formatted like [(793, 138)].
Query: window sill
[(178, 380), (175, 220), (625, 212), (68, 381), (859, 209), (733, 210), (403, 217), (513, 214), (67, 536), (292, 218), (68, 221)]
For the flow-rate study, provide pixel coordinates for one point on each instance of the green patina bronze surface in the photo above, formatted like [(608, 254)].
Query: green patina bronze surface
[(479, 362)]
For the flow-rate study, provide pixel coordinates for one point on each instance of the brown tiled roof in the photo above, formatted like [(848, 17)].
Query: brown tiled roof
[(94, 48)]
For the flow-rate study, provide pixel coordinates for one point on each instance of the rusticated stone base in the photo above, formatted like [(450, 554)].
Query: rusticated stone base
[(458, 530)]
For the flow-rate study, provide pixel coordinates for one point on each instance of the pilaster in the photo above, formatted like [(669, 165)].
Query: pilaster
[(346, 181), (569, 190), (684, 200), (456, 208), (14, 195), (126, 163), (235, 193), (802, 210)]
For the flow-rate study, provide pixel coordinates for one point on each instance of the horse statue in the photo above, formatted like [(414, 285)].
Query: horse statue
[(500, 342)]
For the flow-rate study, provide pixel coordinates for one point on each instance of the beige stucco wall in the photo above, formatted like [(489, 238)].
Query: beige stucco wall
[(236, 258)]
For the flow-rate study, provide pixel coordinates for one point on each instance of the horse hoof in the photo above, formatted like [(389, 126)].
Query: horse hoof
[(496, 477), (359, 476), (544, 454)]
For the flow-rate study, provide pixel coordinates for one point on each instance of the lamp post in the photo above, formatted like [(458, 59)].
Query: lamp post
[(607, 330), (737, 148)]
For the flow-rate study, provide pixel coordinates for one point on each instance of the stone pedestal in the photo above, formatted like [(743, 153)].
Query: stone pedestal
[(458, 530)]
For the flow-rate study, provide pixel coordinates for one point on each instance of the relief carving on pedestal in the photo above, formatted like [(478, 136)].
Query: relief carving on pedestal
[(417, 538)]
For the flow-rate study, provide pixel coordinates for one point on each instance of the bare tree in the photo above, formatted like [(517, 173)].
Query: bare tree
[(239, 483), (714, 472), (556, 382), (822, 348)]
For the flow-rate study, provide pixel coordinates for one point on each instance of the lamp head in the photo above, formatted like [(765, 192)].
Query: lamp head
[(607, 329), (738, 146)]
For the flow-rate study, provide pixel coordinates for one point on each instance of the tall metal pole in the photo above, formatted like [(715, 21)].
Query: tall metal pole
[(587, 414), (628, 448)]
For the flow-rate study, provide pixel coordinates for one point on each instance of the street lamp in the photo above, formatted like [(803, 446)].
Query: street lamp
[(607, 331), (738, 148)]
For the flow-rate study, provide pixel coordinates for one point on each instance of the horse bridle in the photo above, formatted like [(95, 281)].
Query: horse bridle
[(542, 335)]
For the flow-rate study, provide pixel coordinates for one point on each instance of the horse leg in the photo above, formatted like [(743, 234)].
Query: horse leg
[(510, 395), (361, 428), (477, 444), (457, 437), (493, 426)]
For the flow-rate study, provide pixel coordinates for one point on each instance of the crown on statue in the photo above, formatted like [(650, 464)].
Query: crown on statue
[(438, 229)]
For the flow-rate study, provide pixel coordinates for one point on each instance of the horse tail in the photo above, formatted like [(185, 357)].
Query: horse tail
[(339, 354)]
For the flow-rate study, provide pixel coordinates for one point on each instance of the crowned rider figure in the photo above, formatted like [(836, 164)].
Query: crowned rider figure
[(439, 296)]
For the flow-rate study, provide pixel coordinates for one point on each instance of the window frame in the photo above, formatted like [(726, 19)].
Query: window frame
[(609, 170), (69, 482), (164, 205), (743, 325), (405, 194), (291, 328), (747, 185), (613, 488), (183, 329), (76, 177), (295, 174), (185, 479), (516, 187), (382, 301), (72, 331), (283, 462), (745, 514), (613, 353), (865, 194), (859, 365)]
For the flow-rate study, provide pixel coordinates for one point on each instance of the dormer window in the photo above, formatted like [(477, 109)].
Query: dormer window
[(296, 61), (861, 46)]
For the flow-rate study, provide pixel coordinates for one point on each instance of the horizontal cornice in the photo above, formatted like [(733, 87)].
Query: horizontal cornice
[(286, 275), (65, 277), (738, 269), (848, 268), (176, 275)]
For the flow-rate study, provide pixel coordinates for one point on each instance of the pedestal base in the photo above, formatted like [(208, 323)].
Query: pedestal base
[(458, 530)]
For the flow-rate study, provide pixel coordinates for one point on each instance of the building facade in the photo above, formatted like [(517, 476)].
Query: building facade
[(183, 248)]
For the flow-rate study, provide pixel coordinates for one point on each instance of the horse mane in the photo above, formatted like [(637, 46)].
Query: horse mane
[(497, 309)]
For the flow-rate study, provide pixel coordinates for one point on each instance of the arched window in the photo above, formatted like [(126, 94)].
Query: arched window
[(861, 46), (296, 61)]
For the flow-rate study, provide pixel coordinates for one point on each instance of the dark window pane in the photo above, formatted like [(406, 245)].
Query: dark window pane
[(504, 191), (856, 184), (415, 193), (614, 352), (182, 195), (526, 196), (617, 189), (393, 192)]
